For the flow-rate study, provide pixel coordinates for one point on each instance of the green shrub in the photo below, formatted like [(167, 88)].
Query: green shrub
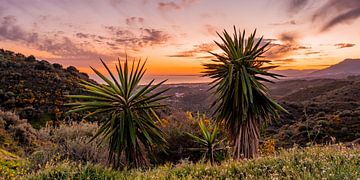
[(16, 135), (176, 127), (70, 141)]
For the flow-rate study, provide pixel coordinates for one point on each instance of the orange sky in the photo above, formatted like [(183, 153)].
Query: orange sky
[(175, 34)]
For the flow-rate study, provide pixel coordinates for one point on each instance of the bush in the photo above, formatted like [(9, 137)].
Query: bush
[(20, 130), (11, 165), (176, 127), (71, 141)]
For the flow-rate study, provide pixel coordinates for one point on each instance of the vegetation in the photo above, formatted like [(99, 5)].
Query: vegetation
[(36, 89), (67, 146), (242, 100), (329, 162), (130, 123), (208, 141)]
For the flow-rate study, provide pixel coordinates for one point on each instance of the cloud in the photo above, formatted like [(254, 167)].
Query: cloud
[(138, 38), (291, 22), (344, 45), (198, 49), (172, 5), (288, 46), (10, 31), (296, 5), (330, 14), (312, 52), (81, 35), (210, 29), (168, 6), (283, 61), (56, 44), (342, 18), (118, 31), (131, 21)]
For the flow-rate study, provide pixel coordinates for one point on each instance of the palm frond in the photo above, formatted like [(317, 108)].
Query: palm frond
[(129, 126)]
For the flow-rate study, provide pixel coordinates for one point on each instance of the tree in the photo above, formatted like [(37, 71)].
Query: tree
[(242, 101), (129, 126)]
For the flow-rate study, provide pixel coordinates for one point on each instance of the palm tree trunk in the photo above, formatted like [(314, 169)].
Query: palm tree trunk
[(247, 140)]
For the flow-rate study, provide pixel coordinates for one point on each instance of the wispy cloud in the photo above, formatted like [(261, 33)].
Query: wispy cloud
[(344, 11), (211, 29), (331, 13), (296, 5), (312, 52), (344, 45), (175, 5), (132, 21), (291, 22), (198, 49), (288, 46)]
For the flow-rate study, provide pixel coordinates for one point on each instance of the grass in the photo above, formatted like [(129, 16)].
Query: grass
[(330, 162)]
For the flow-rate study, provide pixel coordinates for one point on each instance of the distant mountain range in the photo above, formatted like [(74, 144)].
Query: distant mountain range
[(342, 69)]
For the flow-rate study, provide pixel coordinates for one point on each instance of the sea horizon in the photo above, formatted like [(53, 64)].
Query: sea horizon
[(170, 79)]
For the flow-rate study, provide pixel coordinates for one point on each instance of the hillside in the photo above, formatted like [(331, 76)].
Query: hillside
[(345, 68), (342, 69), (35, 89), (319, 109)]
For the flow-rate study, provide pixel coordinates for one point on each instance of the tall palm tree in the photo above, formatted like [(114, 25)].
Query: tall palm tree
[(129, 126), (242, 100)]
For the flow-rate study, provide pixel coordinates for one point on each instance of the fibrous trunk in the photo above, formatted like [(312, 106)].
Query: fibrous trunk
[(247, 140)]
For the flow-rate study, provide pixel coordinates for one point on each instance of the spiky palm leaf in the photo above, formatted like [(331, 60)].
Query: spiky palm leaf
[(242, 100), (208, 141), (129, 126)]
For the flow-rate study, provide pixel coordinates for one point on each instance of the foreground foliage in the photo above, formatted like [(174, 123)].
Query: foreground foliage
[(129, 126), (331, 162)]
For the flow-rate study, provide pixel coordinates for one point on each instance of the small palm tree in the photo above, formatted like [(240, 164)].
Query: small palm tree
[(129, 126), (242, 100), (208, 141)]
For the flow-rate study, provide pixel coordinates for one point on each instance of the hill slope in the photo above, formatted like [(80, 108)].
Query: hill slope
[(342, 69), (35, 89)]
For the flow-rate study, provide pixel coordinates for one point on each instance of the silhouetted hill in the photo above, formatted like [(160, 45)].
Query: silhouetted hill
[(344, 68), (35, 89), (293, 73)]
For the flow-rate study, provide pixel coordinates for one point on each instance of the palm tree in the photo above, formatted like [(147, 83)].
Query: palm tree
[(242, 101), (129, 126)]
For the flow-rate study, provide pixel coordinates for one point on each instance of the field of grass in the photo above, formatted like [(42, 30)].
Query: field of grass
[(330, 162)]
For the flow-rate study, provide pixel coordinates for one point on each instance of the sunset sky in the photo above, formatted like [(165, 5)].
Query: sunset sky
[(175, 35)]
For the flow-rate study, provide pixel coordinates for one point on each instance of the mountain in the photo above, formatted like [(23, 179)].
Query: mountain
[(35, 89), (293, 73), (342, 69)]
